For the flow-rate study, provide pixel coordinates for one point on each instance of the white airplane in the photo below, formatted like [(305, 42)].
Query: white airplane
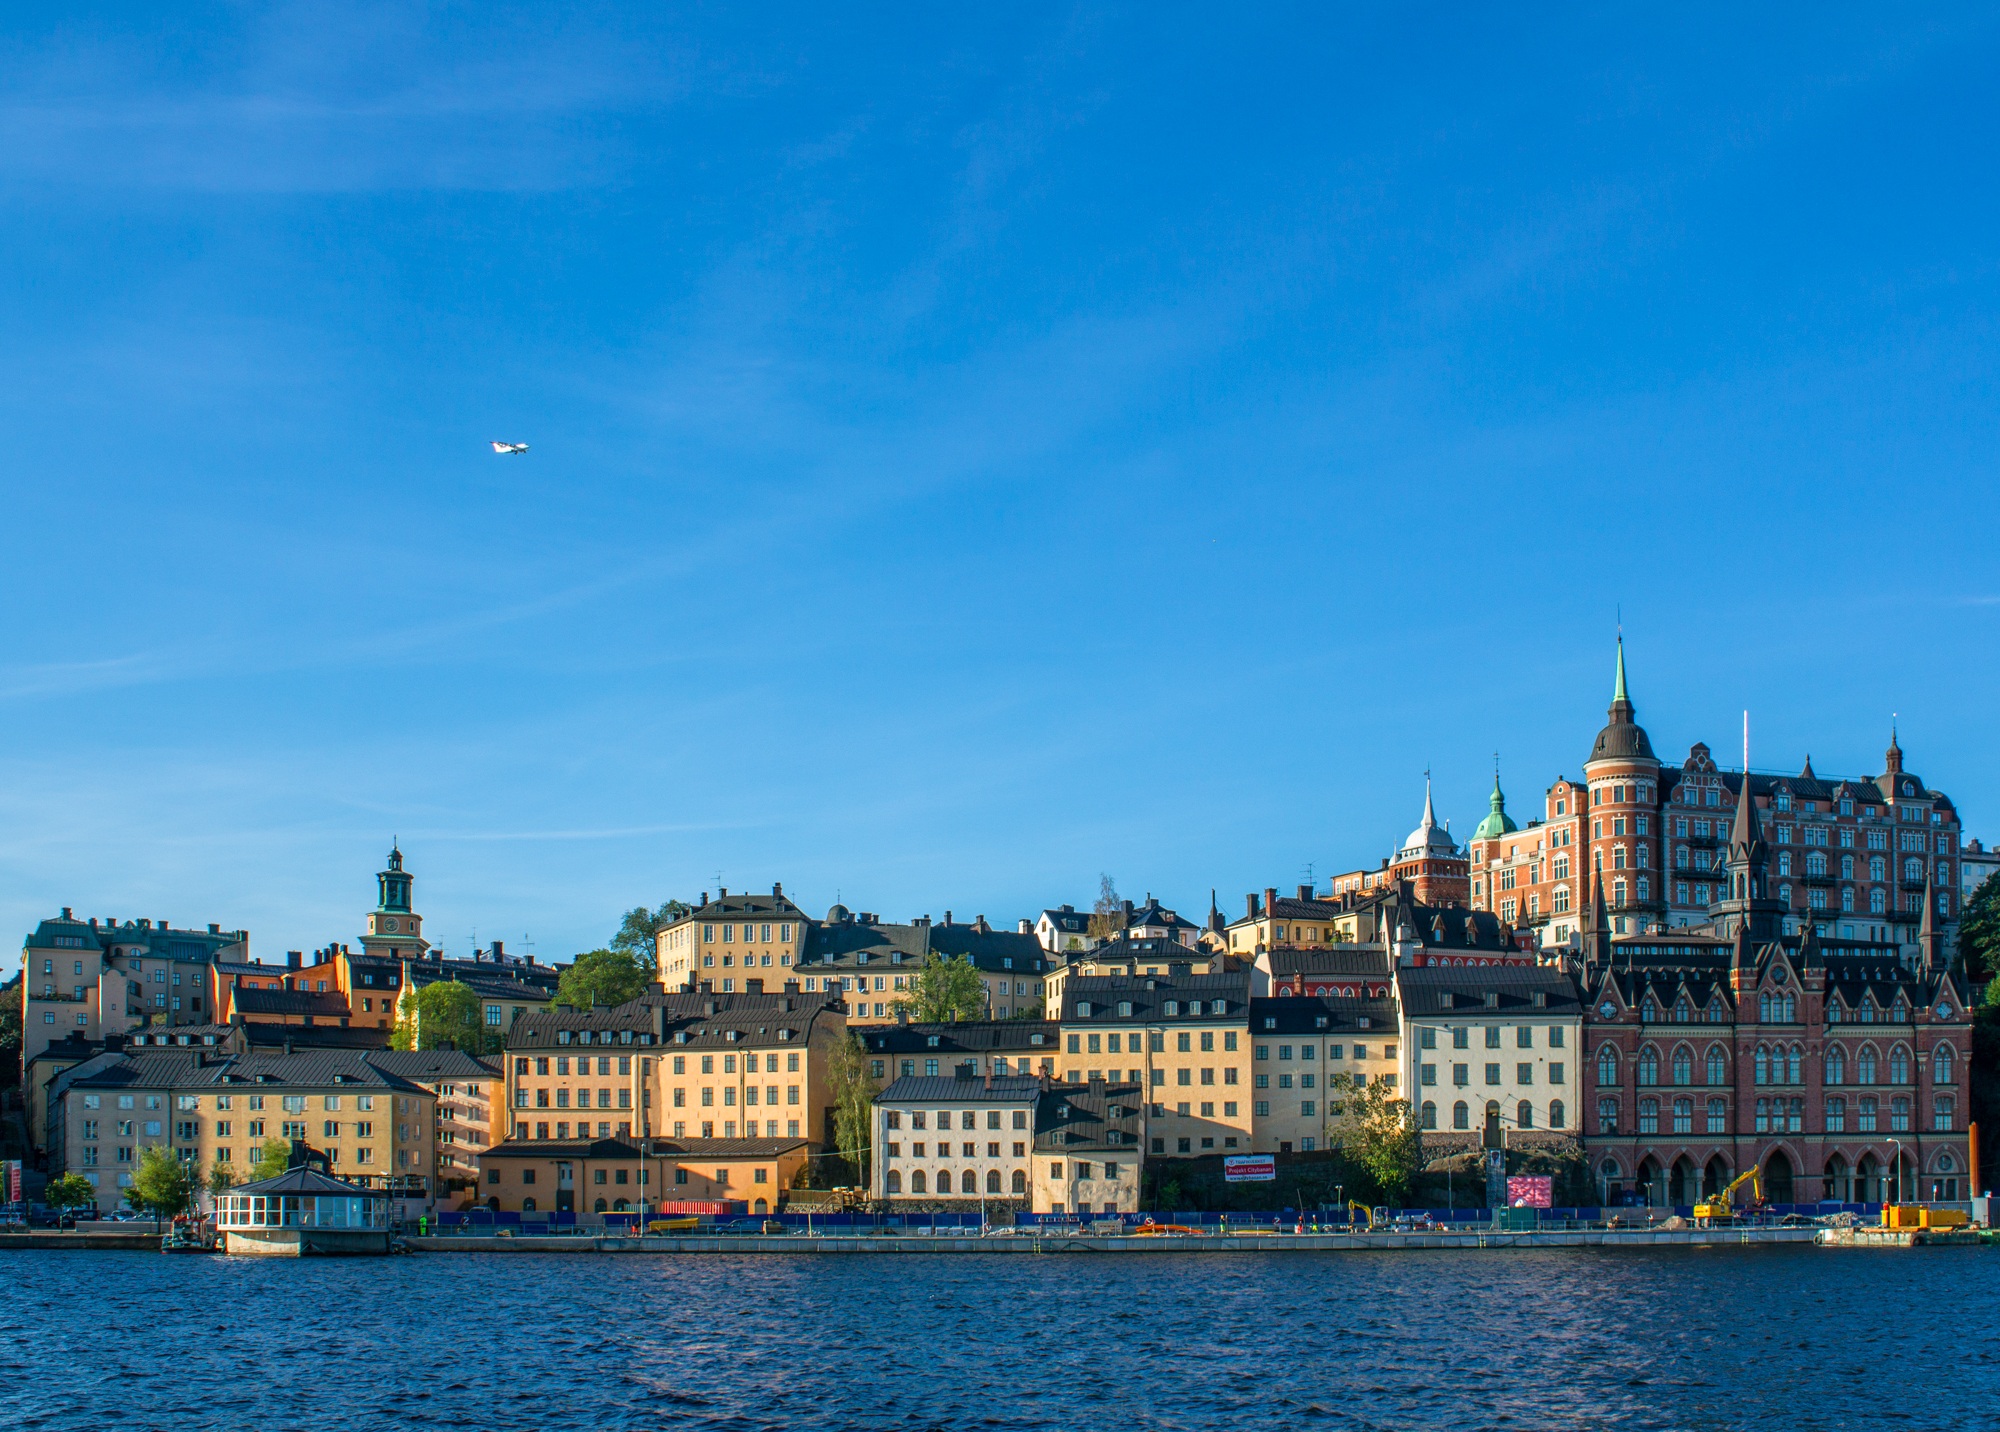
[(505, 448)]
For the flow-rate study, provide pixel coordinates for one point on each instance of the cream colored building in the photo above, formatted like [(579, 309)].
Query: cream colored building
[(1498, 1047), (1088, 1156), (725, 943), (1185, 1040), (682, 1066), (374, 1126), (954, 1139), (1306, 1054)]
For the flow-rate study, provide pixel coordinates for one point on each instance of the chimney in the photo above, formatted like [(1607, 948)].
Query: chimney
[(1271, 899), (708, 1008), (979, 923), (791, 987), (1025, 928), (67, 916), (704, 897), (947, 917), (778, 887), (1249, 907), (1126, 905), (288, 1044), (722, 892), (754, 986), (294, 959), (1305, 892), (902, 1014)]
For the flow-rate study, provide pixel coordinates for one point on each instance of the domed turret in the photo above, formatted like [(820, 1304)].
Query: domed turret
[(1497, 822)]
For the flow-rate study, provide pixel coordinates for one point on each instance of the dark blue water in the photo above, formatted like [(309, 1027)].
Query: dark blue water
[(1765, 1338)]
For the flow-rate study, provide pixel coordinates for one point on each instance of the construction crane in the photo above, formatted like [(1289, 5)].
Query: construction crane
[(1720, 1211), (1366, 1212)]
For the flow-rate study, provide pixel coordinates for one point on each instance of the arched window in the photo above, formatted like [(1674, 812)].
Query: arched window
[(1556, 1114), (1899, 1065), (1864, 1121), (1020, 1183), (1899, 1115), (1878, 903), (1763, 1065), (1683, 1065), (1847, 867), (1649, 1116), (1607, 1116), (1430, 1115), (1941, 1064), (1836, 1116), (1607, 1067), (527, 1205), (601, 1206), (917, 1183), (1784, 862), (1864, 1067), (1718, 1116), (1793, 1056), (1648, 1011), (968, 1182), (1461, 1117), (1913, 870), (621, 1205), (993, 1180), (1847, 898), (895, 1181), (1876, 870), (1815, 863), (1836, 1066), (1524, 1116), (1718, 1065), (1683, 1116), (1942, 1107), (1649, 1065), (1683, 1011)]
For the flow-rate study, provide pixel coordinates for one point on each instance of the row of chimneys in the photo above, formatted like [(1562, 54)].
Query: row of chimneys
[(112, 923)]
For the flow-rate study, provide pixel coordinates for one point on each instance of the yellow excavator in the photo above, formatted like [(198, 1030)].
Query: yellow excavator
[(1720, 1211), (1366, 1212)]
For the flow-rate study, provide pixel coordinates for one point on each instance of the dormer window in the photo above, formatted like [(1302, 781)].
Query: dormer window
[(1083, 1009), (931, 1041), (1270, 1023), (1173, 1007), (1320, 1022), (562, 1036)]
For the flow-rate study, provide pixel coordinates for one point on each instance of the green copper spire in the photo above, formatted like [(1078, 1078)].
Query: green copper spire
[(1619, 694), (1497, 822)]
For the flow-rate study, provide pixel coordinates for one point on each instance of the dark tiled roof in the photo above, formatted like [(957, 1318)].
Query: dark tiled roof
[(972, 1037), (291, 1001), (307, 1068), (1422, 991), (1321, 1015), (937, 1089), (741, 905), (428, 1064), (1099, 1116), (158, 941), (305, 1181), (845, 942), (1149, 949), (1289, 960), (560, 1149), (724, 1148), (1069, 920), (1156, 914), (1148, 996), (704, 1019), (315, 1036)]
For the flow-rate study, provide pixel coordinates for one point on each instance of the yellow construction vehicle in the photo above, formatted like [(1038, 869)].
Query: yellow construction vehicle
[(1366, 1212), (1919, 1216), (1720, 1211)]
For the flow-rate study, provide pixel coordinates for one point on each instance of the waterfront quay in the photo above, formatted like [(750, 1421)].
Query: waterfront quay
[(1057, 1241)]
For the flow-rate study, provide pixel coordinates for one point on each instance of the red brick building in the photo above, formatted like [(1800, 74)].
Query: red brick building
[(1831, 1064)]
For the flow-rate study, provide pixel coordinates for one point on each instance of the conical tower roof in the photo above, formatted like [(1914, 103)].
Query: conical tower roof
[(1622, 738)]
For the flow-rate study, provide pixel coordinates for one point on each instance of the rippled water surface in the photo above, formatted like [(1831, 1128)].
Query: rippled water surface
[(1770, 1338)]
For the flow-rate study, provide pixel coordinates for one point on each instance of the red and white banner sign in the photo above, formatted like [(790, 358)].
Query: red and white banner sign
[(1249, 1168)]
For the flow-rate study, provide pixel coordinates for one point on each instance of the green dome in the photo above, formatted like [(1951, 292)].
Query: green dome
[(1497, 822)]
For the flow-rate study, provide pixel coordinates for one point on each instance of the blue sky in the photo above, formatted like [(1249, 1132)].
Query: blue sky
[(969, 454)]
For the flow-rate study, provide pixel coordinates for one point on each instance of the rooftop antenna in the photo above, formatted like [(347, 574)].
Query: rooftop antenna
[(1309, 875)]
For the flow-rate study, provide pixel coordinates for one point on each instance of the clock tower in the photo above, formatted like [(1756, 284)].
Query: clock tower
[(394, 929)]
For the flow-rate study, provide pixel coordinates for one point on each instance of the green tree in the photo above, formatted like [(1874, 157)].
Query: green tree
[(1380, 1134), (274, 1158), (602, 977), (1979, 933), (944, 990), (221, 1178), (72, 1190), (10, 1037), (444, 1014), (161, 1184), (853, 1096), (637, 930), (1107, 916)]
